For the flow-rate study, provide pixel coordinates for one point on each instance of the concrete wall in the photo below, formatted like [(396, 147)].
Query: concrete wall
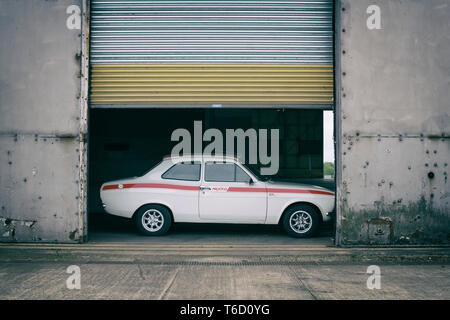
[(393, 120), (392, 117), (41, 139)]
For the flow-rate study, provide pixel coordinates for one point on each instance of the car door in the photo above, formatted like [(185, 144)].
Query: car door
[(180, 189), (226, 194)]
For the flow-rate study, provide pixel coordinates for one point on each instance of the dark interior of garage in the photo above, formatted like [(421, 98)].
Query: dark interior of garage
[(128, 142)]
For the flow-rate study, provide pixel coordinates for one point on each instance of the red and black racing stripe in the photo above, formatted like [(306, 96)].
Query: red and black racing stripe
[(230, 189)]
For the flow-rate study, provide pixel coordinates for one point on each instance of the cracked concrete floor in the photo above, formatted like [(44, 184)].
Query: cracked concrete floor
[(47, 280)]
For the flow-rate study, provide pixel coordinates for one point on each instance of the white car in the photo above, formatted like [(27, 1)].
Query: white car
[(215, 189)]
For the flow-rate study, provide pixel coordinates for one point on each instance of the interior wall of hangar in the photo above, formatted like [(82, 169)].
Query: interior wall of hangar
[(159, 66), (128, 142)]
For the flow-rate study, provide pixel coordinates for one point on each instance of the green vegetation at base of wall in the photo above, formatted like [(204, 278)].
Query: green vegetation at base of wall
[(412, 224)]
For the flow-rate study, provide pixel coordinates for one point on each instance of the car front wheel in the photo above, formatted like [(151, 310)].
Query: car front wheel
[(301, 221), (153, 220)]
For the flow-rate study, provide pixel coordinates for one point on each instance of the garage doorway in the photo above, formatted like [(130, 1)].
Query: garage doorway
[(128, 142)]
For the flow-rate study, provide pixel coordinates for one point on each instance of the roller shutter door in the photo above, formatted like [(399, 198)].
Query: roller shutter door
[(197, 53)]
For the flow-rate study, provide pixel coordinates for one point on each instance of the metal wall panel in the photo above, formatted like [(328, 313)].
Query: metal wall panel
[(43, 123), (393, 124), (152, 32)]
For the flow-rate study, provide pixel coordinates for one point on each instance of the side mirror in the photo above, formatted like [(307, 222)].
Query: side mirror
[(250, 182)]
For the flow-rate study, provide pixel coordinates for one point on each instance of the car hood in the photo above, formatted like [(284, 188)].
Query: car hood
[(294, 185)]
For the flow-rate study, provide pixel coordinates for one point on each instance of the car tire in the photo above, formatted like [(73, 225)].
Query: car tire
[(301, 221), (153, 220)]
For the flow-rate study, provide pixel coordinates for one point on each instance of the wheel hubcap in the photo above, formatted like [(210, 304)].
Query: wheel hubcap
[(300, 221), (152, 220)]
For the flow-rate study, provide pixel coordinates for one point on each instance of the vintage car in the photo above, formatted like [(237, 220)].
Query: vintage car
[(215, 189)]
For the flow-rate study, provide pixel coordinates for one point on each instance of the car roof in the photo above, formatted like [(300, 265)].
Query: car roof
[(190, 157)]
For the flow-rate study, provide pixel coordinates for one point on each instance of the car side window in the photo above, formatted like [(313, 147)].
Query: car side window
[(188, 171), (224, 172), (241, 175)]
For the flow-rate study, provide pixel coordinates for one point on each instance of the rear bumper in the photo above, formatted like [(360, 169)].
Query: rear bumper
[(328, 216), (115, 212)]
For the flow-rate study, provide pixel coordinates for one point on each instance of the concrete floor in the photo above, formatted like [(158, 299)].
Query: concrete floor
[(218, 262), (104, 228), (144, 281)]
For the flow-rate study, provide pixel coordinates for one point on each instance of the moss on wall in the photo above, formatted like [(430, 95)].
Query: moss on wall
[(396, 224)]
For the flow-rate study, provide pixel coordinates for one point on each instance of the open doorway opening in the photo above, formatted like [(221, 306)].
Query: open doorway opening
[(127, 142), (328, 147)]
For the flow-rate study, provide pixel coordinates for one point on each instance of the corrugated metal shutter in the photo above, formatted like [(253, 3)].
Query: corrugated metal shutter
[(135, 43), (203, 84)]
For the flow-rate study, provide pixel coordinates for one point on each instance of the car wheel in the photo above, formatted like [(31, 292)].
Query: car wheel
[(153, 220), (301, 221)]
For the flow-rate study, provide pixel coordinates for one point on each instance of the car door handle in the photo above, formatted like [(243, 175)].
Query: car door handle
[(204, 188)]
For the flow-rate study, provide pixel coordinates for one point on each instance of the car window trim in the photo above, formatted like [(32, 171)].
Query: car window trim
[(232, 162), (199, 173), (249, 177)]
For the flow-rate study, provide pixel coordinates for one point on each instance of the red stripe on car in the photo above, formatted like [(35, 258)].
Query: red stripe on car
[(151, 186), (278, 190), (111, 187), (230, 189), (246, 189)]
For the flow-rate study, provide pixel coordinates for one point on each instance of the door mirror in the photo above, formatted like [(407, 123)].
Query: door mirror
[(250, 182)]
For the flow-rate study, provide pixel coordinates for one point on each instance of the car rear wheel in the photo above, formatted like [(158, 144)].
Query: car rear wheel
[(301, 221), (153, 220)]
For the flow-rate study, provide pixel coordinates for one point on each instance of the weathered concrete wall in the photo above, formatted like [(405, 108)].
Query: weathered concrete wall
[(40, 132), (393, 118)]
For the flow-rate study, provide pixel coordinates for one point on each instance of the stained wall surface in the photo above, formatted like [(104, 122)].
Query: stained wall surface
[(40, 132), (393, 122)]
